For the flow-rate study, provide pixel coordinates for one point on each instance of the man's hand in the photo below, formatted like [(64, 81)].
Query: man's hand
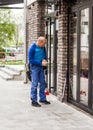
[(44, 62)]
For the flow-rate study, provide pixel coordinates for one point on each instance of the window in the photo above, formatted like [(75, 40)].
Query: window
[(74, 56), (84, 55)]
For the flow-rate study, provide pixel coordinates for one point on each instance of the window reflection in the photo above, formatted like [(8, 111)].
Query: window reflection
[(73, 73), (84, 56)]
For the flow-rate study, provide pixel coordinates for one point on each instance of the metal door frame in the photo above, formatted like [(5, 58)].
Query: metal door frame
[(49, 77), (88, 108)]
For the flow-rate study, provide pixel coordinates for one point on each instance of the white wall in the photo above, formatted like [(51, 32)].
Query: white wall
[(30, 1)]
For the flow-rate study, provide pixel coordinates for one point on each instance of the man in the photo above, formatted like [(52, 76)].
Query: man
[(37, 59)]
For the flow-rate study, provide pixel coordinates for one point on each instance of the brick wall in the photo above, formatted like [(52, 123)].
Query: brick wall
[(62, 48), (35, 22)]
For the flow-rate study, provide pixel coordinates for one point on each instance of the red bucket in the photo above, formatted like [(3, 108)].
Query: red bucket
[(46, 92)]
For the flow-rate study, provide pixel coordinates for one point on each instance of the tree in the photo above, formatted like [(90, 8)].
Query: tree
[(18, 17), (7, 27)]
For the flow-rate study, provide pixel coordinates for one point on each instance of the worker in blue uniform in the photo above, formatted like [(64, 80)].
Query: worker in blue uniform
[(38, 60)]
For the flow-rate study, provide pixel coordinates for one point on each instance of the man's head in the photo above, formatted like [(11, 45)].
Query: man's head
[(41, 41)]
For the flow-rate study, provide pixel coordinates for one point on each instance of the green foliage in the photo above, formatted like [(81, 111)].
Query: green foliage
[(7, 27), (18, 62)]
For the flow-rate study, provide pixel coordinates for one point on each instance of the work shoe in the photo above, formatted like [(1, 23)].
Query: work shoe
[(45, 102), (36, 104)]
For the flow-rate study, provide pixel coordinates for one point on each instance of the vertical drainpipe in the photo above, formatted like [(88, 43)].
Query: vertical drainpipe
[(25, 40)]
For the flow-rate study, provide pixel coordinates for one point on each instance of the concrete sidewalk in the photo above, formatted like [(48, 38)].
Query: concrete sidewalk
[(16, 113)]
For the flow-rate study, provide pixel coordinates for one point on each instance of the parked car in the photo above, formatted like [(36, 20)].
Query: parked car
[(2, 52), (11, 54), (10, 51)]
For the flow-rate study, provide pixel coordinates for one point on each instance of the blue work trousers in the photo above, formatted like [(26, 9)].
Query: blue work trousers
[(38, 77)]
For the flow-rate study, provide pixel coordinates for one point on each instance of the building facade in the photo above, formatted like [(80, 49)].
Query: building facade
[(68, 28)]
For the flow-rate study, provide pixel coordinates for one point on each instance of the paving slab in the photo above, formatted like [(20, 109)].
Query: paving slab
[(16, 112)]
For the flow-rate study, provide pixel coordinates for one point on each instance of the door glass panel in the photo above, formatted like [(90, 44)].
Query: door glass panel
[(84, 56), (92, 58), (73, 85)]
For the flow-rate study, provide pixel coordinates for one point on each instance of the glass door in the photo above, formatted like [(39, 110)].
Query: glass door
[(51, 33), (73, 54), (92, 57), (79, 75), (81, 58), (84, 55)]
